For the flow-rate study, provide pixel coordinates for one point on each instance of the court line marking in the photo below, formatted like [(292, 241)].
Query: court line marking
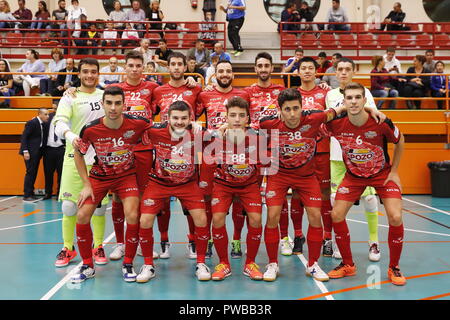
[(424, 205), (426, 218), (31, 213), (372, 284), (69, 275), (29, 225), (318, 283), (437, 297), (8, 198), (406, 229)]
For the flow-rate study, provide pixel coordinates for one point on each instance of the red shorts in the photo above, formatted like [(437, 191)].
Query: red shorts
[(144, 162), (206, 179), (308, 189), (189, 194), (124, 187), (222, 197), (322, 169), (352, 187)]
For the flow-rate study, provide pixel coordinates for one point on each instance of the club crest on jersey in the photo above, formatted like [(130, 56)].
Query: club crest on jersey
[(214, 201), (370, 134), (276, 92), (149, 202), (129, 134), (343, 190), (318, 96), (203, 184), (187, 93), (360, 155), (271, 194), (305, 128), (145, 91)]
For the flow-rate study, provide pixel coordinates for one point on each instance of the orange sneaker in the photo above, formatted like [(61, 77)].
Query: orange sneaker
[(251, 270), (64, 257), (396, 276), (99, 255), (221, 271), (342, 270)]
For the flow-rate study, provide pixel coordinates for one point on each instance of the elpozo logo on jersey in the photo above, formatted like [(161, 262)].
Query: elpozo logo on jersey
[(360, 155), (295, 148), (269, 110), (116, 157), (239, 170), (175, 165)]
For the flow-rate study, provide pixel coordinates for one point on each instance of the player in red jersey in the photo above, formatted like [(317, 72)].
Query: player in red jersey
[(138, 94), (313, 98), (364, 150), (174, 173), (177, 89), (213, 104), (297, 133), (113, 137), (235, 161)]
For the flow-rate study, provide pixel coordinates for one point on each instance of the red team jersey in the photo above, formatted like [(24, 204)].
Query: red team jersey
[(364, 149), (214, 104), (296, 147), (113, 147), (315, 100), (263, 102), (165, 95)]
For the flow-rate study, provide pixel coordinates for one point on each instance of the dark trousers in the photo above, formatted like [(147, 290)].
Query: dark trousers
[(438, 94), (413, 92), (32, 167), (234, 26), (53, 161)]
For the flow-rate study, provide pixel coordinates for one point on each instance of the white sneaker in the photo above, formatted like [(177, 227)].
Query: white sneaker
[(146, 273), (316, 272), (83, 273), (128, 273), (286, 249), (192, 251), (202, 272), (118, 252), (139, 253), (374, 252), (164, 254), (272, 271), (336, 252)]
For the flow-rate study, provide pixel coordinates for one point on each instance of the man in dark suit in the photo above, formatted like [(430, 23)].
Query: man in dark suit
[(53, 158), (34, 139), (63, 82)]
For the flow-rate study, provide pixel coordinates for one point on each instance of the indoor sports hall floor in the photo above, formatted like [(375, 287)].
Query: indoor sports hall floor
[(30, 238)]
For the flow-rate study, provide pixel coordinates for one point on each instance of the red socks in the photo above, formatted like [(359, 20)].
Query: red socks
[(84, 241), (146, 240), (163, 221), (238, 219), (132, 241), (208, 215), (395, 241), (220, 238), (118, 218), (284, 220), (297, 216), (272, 239), (191, 225), (253, 241), (342, 236), (314, 240), (325, 211), (201, 242)]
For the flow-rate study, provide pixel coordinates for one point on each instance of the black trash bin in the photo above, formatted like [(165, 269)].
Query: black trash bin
[(440, 178)]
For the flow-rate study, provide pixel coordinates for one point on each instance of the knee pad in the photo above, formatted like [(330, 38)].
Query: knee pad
[(69, 208), (100, 211), (370, 203), (332, 198)]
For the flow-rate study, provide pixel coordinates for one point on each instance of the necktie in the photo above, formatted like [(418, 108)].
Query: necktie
[(42, 133)]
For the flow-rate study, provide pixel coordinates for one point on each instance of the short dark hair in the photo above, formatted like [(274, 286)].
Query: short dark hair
[(162, 40), (299, 50), (6, 65), (177, 54), (290, 94), (224, 61), (199, 40), (322, 54), (355, 86), (421, 58), (390, 49), (35, 53), (238, 102), (429, 50), (439, 61), (90, 61), (308, 59), (191, 58), (345, 59), (179, 106), (113, 91), (337, 55), (133, 54), (264, 55)]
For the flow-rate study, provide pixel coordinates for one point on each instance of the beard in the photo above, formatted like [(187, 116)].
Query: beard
[(264, 77), (224, 84)]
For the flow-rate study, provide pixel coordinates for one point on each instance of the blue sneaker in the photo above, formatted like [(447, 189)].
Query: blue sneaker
[(128, 273), (83, 273)]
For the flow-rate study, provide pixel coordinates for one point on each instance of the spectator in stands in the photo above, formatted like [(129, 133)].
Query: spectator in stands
[(395, 16), (87, 37), (5, 14), (112, 67), (337, 14), (74, 15), (66, 81), (118, 15), (201, 54), (290, 14), (210, 77), (306, 15), (33, 64), (218, 51), (136, 14), (6, 83), (429, 64), (416, 86), (59, 17), (392, 64), (208, 29), (438, 88), (48, 84), (109, 37), (145, 50), (209, 6), (41, 15), (323, 63), (161, 55), (332, 80), (235, 11), (155, 15), (130, 37), (382, 86), (291, 66), (192, 67), (151, 68), (23, 14)]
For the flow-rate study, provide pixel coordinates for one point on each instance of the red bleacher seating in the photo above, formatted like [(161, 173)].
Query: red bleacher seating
[(423, 40), (347, 41), (429, 28), (308, 40), (445, 27), (327, 40), (13, 38), (153, 36), (189, 39), (442, 40), (192, 26), (290, 41), (405, 40), (31, 38), (366, 41), (172, 39), (386, 40)]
